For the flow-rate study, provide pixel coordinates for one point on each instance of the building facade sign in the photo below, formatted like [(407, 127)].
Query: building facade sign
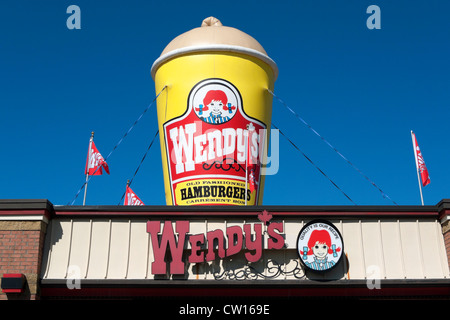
[(203, 248), (319, 244)]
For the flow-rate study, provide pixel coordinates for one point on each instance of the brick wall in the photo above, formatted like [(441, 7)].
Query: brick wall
[(21, 247)]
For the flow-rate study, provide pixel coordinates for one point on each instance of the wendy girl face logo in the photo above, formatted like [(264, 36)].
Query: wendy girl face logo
[(215, 103), (319, 245)]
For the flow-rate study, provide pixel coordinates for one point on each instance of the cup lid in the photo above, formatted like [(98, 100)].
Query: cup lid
[(213, 36)]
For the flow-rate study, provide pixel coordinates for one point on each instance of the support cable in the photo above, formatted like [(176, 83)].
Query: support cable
[(117, 144), (310, 161), (330, 145), (139, 166)]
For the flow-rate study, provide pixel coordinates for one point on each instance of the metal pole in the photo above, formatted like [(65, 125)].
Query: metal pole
[(417, 164), (125, 202), (246, 166), (87, 166)]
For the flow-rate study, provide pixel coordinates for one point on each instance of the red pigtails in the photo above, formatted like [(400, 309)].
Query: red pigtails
[(319, 236)]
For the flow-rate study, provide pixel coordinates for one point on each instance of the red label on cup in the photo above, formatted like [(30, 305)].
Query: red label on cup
[(214, 149)]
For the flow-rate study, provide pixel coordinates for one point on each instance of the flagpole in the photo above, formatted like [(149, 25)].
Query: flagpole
[(246, 166), (417, 165), (126, 195), (87, 166)]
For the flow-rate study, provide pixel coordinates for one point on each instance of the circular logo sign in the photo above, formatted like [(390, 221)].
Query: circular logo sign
[(320, 245)]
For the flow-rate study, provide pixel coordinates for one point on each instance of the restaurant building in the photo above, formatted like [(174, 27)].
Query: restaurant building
[(215, 238), (146, 252)]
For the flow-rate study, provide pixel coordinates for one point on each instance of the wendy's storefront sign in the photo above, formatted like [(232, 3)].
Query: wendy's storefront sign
[(320, 245), (249, 237)]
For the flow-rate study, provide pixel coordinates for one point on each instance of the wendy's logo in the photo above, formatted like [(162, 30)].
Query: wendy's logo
[(215, 102), (206, 148), (320, 245)]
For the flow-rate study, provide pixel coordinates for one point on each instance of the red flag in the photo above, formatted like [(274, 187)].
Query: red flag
[(420, 163), (251, 180), (95, 162), (131, 199)]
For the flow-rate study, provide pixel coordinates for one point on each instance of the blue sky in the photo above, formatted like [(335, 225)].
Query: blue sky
[(363, 90)]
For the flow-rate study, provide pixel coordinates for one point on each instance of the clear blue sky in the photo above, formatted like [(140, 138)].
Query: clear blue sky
[(363, 90)]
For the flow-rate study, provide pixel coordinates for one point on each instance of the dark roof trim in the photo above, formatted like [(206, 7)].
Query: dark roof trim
[(257, 288), (247, 208), (108, 283), (199, 211), (35, 206), (26, 207), (26, 204)]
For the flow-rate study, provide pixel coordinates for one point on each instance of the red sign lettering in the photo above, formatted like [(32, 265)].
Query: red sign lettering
[(166, 241)]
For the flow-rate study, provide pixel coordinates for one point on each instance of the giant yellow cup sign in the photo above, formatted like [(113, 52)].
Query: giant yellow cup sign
[(213, 118)]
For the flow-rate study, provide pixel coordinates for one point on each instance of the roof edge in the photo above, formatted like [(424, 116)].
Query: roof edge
[(28, 204)]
